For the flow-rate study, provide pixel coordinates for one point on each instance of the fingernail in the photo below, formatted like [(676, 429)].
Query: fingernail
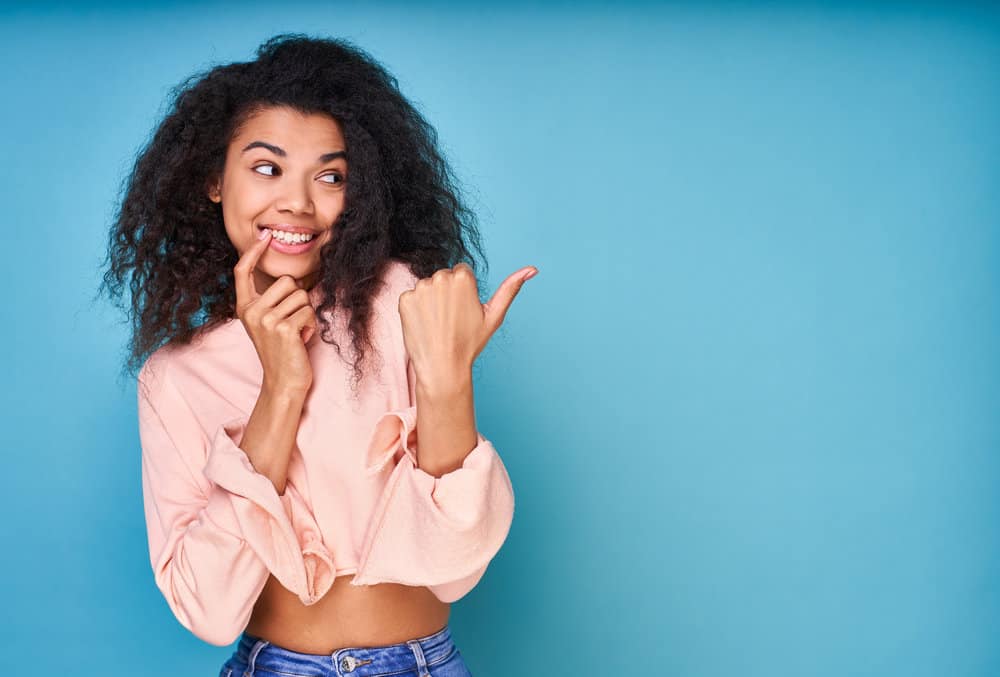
[(531, 273), (263, 233)]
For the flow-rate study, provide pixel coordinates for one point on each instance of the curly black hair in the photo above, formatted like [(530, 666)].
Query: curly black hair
[(402, 200)]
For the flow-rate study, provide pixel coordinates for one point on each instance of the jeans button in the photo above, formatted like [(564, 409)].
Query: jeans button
[(348, 663)]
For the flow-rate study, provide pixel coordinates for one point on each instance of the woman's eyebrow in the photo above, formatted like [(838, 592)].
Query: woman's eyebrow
[(280, 152)]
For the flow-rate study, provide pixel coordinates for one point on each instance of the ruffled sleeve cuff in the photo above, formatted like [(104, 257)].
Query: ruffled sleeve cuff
[(439, 532), (279, 529)]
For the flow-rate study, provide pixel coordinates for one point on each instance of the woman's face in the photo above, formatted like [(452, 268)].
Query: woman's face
[(285, 171)]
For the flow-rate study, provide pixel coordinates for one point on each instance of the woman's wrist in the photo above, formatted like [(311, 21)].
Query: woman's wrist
[(282, 393)]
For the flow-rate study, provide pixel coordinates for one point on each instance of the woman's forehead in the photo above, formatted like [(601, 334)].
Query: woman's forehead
[(290, 129)]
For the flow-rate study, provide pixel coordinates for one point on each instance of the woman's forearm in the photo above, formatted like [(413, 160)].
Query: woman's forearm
[(446, 421), (271, 432)]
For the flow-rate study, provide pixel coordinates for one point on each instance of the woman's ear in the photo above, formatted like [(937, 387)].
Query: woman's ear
[(212, 189)]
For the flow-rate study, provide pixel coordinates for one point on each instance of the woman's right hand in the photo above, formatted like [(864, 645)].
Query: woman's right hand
[(280, 322)]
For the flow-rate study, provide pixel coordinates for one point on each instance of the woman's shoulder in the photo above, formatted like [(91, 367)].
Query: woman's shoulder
[(206, 352), (401, 270), (397, 278)]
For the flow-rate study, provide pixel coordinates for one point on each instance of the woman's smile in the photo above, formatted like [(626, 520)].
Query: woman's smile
[(291, 243)]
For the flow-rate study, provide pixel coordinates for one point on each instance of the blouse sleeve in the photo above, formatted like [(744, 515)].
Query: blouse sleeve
[(439, 532), (214, 539)]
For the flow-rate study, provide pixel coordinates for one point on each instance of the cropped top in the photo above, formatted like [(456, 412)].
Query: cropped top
[(355, 500)]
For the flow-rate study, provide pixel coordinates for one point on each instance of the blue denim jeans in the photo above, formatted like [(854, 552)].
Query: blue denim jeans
[(432, 656)]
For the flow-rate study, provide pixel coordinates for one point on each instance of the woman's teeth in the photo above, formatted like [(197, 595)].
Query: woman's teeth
[(290, 238)]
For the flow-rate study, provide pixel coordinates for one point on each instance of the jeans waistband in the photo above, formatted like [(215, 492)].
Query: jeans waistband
[(354, 661)]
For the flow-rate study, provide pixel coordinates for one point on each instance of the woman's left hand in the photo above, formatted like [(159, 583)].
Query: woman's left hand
[(445, 326)]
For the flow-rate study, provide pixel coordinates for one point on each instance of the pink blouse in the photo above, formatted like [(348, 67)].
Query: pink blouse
[(355, 501)]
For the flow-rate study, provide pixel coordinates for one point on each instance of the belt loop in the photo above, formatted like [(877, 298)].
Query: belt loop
[(252, 663), (421, 661)]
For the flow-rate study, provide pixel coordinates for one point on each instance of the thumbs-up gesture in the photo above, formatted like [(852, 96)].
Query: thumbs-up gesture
[(446, 327)]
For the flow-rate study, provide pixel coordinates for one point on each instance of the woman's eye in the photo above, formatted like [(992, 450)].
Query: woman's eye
[(334, 179)]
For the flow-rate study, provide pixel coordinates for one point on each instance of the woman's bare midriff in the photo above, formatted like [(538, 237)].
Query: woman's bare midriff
[(347, 616)]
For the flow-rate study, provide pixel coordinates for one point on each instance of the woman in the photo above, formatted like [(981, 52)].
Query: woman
[(289, 500)]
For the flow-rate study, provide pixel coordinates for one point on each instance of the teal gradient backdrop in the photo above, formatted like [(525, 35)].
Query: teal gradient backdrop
[(749, 404)]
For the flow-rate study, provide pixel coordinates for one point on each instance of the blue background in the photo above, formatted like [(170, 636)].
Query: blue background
[(749, 404)]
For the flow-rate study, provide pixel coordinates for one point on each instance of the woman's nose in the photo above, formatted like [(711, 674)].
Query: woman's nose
[(295, 198)]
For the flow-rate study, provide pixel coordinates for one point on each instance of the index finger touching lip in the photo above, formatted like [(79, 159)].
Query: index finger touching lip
[(246, 265)]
